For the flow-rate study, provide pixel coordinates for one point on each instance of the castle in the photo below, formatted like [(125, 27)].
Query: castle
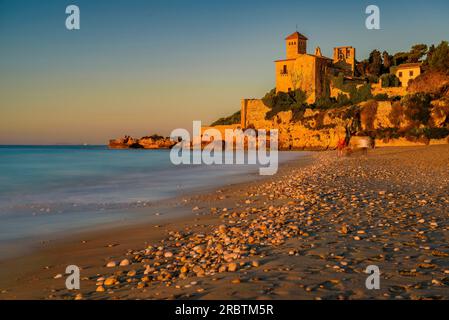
[(299, 70), (307, 72)]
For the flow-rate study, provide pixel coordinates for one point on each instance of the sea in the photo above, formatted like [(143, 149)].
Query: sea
[(46, 190)]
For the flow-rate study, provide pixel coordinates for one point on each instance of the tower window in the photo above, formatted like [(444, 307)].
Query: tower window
[(400, 74), (284, 69), (411, 73)]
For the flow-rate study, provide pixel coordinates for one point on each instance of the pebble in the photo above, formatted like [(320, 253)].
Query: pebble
[(124, 263), (232, 267), (110, 281)]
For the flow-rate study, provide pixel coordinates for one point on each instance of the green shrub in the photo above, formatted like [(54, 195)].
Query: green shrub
[(368, 114), (381, 97), (397, 114), (389, 80), (282, 101), (339, 83), (417, 107), (363, 93), (436, 133), (232, 119), (387, 134), (438, 58), (331, 103), (372, 79)]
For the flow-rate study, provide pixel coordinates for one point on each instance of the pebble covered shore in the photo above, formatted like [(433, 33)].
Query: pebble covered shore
[(307, 234)]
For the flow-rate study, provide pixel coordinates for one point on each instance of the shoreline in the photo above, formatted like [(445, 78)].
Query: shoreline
[(174, 212), (129, 203)]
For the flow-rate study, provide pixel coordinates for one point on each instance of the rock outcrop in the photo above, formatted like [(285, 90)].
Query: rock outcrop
[(152, 142)]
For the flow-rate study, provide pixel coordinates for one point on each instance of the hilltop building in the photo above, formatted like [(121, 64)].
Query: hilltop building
[(406, 72), (301, 70), (308, 72), (344, 59)]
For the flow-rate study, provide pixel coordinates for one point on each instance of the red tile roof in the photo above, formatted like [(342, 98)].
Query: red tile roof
[(296, 35), (408, 65)]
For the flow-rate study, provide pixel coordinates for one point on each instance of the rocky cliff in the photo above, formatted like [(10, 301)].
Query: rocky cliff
[(389, 122)]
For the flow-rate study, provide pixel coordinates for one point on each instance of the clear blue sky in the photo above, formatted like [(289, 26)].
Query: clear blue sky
[(140, 66)]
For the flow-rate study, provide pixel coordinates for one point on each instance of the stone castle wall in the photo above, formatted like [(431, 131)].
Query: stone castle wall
[(316, 130)]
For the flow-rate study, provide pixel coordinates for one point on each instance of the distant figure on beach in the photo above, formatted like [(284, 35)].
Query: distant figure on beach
[(341, 145), (364, 143)]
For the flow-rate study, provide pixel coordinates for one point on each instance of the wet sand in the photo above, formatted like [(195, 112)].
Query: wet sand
[(307, 233)]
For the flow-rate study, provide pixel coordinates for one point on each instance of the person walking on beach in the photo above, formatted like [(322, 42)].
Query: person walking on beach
[(364, 144), (341, 145)]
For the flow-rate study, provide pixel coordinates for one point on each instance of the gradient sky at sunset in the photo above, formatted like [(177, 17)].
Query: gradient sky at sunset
[(139, 67)]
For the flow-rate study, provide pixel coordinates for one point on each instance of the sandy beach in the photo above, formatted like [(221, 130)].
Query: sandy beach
[(308, 232)]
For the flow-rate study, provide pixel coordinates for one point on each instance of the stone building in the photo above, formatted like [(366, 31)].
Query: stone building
[(406, 72), (300, 70), (344, 59)]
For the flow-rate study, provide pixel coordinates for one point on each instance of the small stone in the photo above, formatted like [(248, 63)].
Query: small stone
[(111, 264), (79, 296), (100, 289), (131, 273), (222, 229), (168, 254), (184, 269), (198, 270), (199, 249), (124, 263), (235, 281), (110, 281), (222, 268), (232, 267), (255, 263), (58, 276)]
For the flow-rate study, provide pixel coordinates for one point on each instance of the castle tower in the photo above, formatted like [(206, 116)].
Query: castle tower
[(296, 44), (345, 58)]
